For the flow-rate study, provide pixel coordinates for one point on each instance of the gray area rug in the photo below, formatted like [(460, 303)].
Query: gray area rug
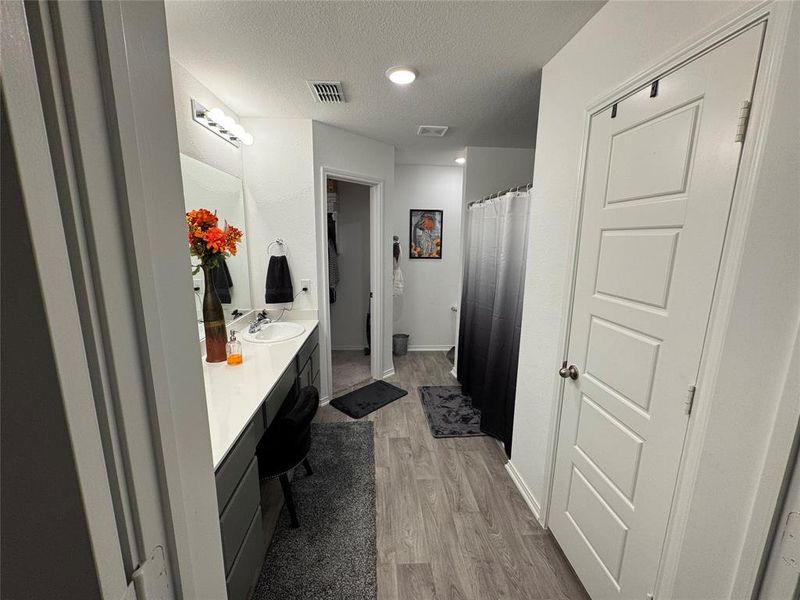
[(450, 413), (359, 403), (332, 555)]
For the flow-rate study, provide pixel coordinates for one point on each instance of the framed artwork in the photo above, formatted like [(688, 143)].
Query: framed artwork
[(425, 239)]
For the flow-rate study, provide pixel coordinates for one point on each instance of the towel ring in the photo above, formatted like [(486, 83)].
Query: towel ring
[(278, 242)]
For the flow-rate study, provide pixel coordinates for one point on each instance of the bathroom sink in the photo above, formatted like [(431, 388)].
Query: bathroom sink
[(274, 332)]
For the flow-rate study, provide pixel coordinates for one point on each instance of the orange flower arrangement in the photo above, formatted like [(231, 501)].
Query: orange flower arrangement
[(207, 241)]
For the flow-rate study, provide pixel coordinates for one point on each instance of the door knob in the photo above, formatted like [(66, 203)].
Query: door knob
[(568, 371)]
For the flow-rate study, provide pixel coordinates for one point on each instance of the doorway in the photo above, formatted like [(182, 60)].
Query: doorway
[(659, 176), (349, 286)]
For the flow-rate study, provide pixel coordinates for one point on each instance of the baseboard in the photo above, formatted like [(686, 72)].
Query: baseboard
[(454, 372), (430, 348), (333, 349), (388, 373), (526, 493), (324, 400)]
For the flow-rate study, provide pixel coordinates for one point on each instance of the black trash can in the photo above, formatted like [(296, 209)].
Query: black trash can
[(400, 344)]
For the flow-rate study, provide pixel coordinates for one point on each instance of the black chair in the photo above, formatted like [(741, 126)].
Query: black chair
[(286, 443)]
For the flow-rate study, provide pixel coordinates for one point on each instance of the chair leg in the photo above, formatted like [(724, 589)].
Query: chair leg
[(287, 496), (307, 465)]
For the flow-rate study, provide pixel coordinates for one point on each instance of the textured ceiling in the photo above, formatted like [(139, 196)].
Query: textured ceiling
[(479, 64)]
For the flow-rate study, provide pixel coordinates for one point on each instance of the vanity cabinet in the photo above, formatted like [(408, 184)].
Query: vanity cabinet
[(308, 362), (238, 490)]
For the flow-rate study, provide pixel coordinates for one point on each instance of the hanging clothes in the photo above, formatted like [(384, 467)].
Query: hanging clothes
[(333, 259), (398, 281), (491, 310)]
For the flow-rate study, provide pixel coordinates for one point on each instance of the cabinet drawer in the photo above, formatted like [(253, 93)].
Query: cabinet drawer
[(308, 348), (236, 517), (306, 375), (247, 566), (315, 366), (235, 464), (259, 423), (278, 394)]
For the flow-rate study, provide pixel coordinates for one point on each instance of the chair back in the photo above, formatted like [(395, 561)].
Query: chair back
[(288, 439)]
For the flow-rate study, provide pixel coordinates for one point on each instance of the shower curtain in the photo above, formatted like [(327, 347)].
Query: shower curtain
[(491, 309)]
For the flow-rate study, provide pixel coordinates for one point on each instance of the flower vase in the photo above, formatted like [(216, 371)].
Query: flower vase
[(213, 321)]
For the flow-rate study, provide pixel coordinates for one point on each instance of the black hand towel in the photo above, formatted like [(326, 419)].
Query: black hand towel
[(222, 282), (279, 281)]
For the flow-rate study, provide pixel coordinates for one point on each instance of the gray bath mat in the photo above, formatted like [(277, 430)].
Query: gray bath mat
[(359, 403), (450, 413), (332, 555)]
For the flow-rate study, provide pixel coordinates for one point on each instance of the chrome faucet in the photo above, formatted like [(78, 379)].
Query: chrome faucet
[(261, 320)]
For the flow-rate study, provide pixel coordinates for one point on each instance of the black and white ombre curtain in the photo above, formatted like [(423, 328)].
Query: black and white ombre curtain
[(491, 309)]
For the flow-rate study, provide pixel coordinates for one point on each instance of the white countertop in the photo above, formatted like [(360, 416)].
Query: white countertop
[(234, 393)]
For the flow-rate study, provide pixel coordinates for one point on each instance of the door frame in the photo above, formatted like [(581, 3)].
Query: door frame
[(376, 196), (50, 248), (777, 15), (170, 547)]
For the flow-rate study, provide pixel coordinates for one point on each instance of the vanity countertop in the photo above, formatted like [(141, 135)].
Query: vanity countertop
[(234, 394)]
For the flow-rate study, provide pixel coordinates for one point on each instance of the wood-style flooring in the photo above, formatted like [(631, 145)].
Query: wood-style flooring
[(451, 525)]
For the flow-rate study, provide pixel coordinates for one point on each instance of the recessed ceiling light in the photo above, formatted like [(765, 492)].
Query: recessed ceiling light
[(461, 160), (401, 75)]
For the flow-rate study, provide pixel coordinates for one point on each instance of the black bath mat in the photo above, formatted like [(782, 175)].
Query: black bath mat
[(450, 413), (359, 403), (333, 554)]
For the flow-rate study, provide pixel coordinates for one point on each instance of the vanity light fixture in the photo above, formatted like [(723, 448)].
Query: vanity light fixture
[(223, 125), (401, 75), (461, 160)]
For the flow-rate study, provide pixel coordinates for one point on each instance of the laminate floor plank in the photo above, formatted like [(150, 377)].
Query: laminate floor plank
[(451, 524), (415, 580)]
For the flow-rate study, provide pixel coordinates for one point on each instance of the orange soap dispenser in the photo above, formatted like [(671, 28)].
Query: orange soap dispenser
[(234, 350)]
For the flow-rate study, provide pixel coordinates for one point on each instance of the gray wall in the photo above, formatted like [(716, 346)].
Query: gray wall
[(45, 541)]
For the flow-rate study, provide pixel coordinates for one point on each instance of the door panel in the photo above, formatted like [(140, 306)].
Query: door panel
[(659, 180)]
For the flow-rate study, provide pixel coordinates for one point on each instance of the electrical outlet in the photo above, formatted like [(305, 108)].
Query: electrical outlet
[(305, 284)]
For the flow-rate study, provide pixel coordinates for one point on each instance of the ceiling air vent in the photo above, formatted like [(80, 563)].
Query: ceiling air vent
[(328, 92), (432, 130)]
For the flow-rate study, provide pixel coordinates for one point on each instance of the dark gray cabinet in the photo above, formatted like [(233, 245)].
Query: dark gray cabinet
[(238, 490), (308, 362)]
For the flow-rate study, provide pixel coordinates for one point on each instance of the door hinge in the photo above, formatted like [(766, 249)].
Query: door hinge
[(744, 117), (649, 597), (689, 402), (790, 543), (150, 581)]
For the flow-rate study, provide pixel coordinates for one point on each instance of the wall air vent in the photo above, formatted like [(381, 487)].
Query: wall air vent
[(432, 130), (327, 92)]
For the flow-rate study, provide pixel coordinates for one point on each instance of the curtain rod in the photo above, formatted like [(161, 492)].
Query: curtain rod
[(502, 193)]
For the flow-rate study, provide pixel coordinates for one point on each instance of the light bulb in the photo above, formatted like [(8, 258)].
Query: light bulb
[(215, 115), (401, 75), (227, 122), (461, 160), (246, 138), (237, 130)]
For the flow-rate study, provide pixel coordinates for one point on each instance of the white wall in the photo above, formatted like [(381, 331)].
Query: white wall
[(490, 170), (766, 306), (349, 312), (279, 202), (339, 149), (195, 140), (431, 286)]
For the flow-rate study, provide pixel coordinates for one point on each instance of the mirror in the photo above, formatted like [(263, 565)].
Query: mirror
[(220, 192)]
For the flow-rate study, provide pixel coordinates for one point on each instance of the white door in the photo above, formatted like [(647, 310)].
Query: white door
[(659, 178)]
